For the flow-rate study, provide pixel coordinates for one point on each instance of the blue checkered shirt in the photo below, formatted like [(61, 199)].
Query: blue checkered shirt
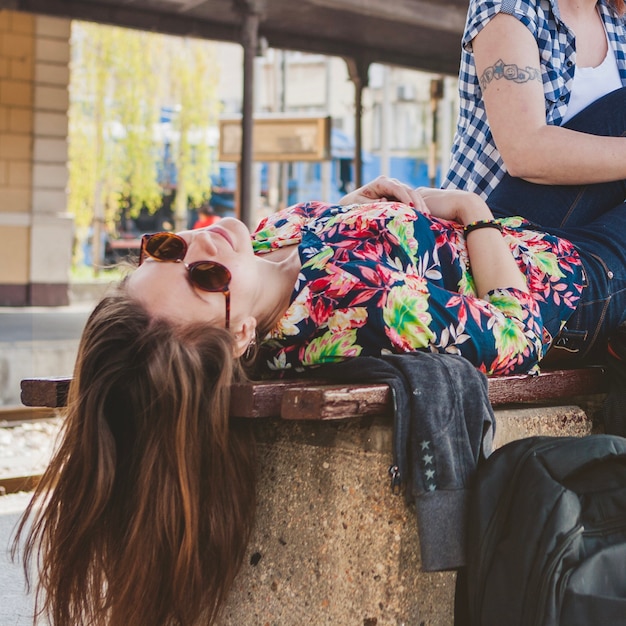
[(476, 164)]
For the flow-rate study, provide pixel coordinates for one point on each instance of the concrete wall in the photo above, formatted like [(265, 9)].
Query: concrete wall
[(34, 99), (33, 359), (332, 544)]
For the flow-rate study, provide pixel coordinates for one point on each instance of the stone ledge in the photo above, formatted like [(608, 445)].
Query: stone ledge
[(332, 544)]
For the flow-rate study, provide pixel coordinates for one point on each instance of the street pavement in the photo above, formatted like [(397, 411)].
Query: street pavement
[(18, 324), (42, 341), (28, 336), (16, 606), (34, 341)]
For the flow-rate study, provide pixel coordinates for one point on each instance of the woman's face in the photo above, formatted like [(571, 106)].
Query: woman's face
[(165, 290)]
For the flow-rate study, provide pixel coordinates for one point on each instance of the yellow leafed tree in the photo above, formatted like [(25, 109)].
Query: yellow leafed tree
[(193, 89), (120, 80)]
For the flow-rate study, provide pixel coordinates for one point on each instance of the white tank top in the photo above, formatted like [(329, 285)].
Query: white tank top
[(591, 83)]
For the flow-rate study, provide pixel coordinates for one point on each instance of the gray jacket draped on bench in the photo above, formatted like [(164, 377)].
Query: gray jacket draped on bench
[(443, 425)]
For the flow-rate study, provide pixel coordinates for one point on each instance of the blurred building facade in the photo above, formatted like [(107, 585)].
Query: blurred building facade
[(402, 134), (37, 231), (405, 134)]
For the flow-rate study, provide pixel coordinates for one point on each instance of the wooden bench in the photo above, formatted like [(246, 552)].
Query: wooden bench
[(331, 541), (317, 400)]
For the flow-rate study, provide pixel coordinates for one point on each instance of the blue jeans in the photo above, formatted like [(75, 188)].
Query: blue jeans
[(593, 218)]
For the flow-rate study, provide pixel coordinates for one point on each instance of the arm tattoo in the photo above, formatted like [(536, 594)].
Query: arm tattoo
[(509, 72)]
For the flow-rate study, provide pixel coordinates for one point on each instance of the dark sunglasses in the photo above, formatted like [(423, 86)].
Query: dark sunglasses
[(205, 275)]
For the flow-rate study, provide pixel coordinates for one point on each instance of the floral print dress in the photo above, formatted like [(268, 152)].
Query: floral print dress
[(384, 277)]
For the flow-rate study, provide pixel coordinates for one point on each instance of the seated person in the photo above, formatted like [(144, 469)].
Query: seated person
[(206, 217), (540, 134)]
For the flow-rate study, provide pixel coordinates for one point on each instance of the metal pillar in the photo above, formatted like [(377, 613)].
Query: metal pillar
[(436, 93), (252, 12), (358, 70)]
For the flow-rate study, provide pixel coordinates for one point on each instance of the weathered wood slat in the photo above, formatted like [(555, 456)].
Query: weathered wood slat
[(343, 401), (261, 399), (548, 385), (257, 399), (48, 392), (335, 402), (315, 400)]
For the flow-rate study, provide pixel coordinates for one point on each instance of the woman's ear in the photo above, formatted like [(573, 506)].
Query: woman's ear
[(245, 336)]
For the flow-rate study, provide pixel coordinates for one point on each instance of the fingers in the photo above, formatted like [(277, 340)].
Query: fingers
[(390, 188), (383, 189), (406, 194), (378, 190), (418, 201), (455, 204)]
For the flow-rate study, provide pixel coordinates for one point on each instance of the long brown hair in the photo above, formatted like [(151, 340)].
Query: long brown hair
[(618, 5), (145, 511)]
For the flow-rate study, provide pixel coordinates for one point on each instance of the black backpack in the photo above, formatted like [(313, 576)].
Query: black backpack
[(547, 534)]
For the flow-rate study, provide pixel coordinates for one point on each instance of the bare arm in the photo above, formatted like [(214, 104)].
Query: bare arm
[(493, 265), (507, 64)]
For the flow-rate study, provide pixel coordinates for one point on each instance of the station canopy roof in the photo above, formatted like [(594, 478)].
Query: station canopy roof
[(419, 34)]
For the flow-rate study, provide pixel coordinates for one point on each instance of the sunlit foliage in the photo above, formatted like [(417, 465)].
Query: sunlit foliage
[(120, 81)]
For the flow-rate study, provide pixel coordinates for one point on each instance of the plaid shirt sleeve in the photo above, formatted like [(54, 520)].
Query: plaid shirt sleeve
[(476, 164)]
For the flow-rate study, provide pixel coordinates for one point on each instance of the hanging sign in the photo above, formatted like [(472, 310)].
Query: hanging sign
[(278, 139)]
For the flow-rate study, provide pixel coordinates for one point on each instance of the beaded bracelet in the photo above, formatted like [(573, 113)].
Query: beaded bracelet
[(481, 224)]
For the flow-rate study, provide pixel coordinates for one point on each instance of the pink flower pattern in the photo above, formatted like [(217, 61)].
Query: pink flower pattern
[(393, 279)]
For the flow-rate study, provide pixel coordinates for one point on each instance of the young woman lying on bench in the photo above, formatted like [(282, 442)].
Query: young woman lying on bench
[(147, 506)]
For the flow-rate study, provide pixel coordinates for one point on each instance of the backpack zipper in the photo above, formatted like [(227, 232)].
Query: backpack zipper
[(606, 527), (501, 508), (554, 561)]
